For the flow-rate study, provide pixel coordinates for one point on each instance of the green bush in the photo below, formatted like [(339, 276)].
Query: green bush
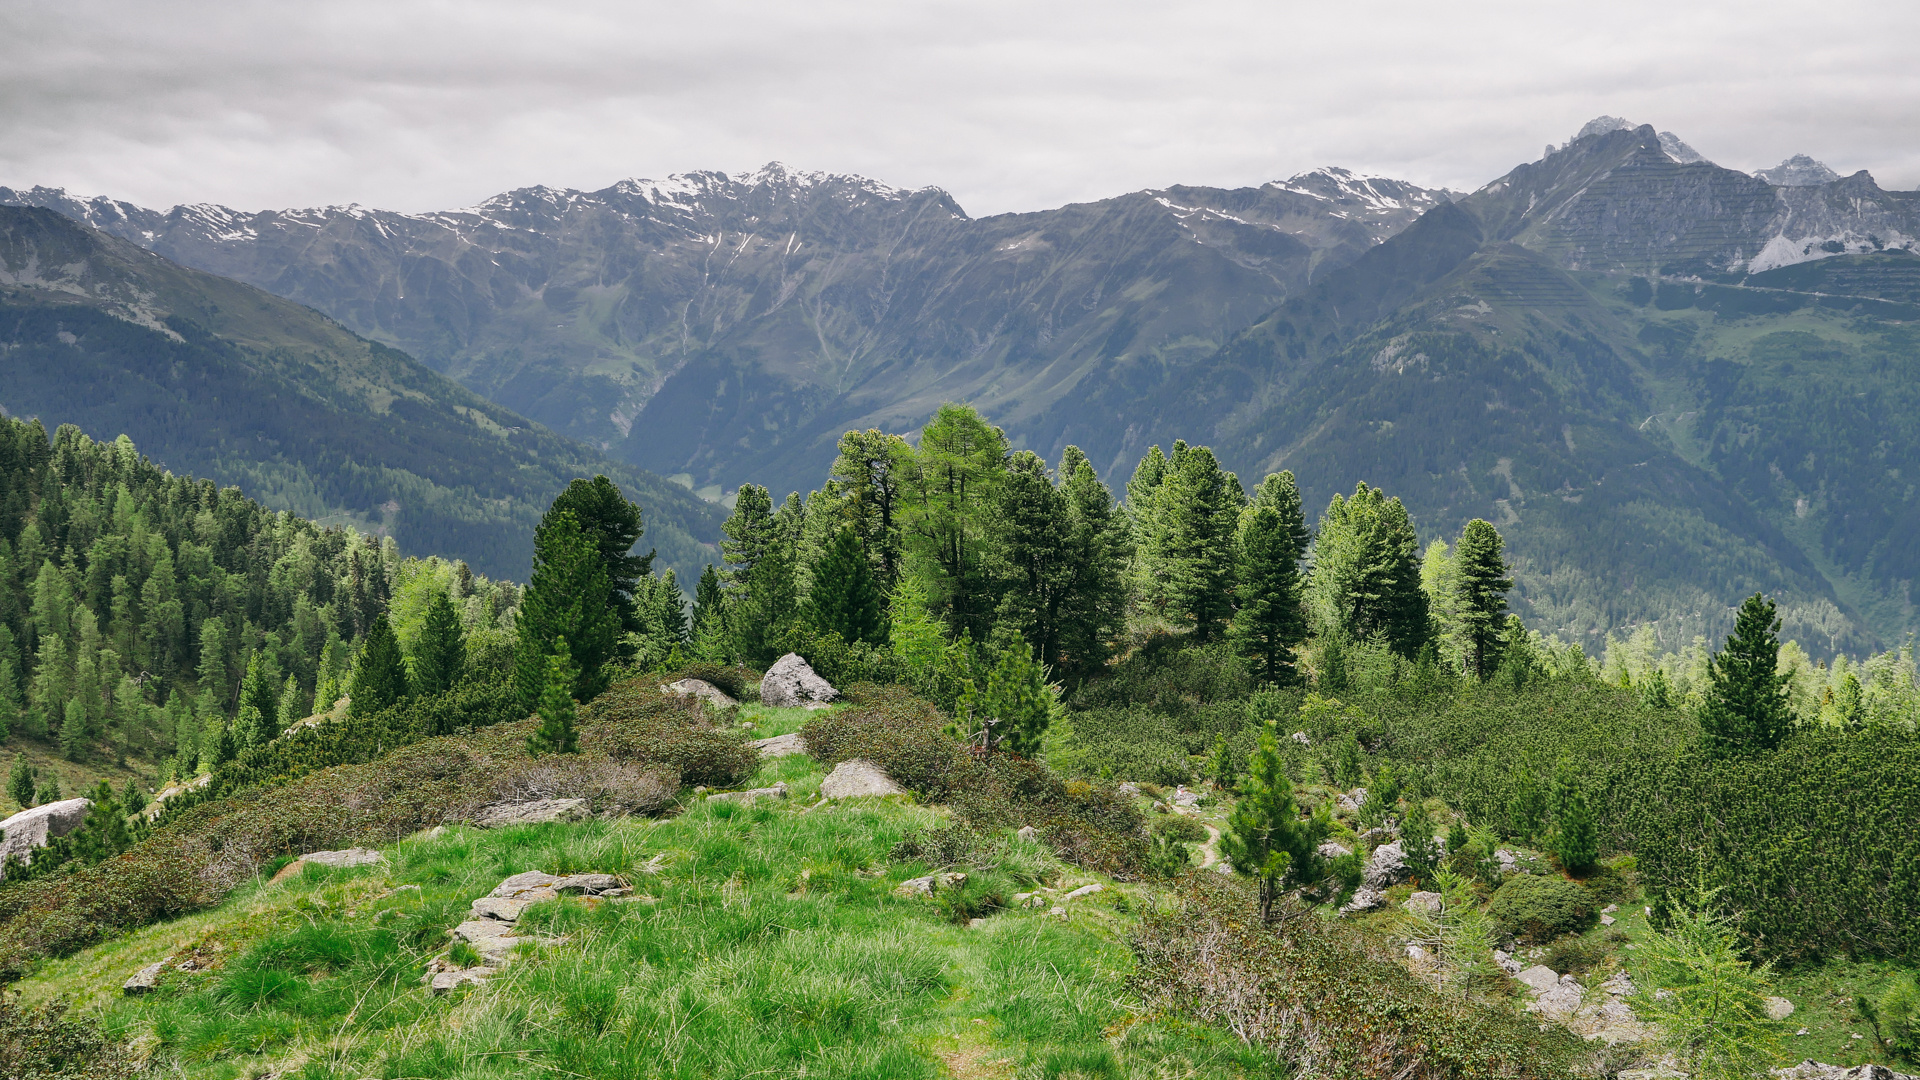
[(643, 726), (1180, 827), (839, 661), (1540, 908), (739, 683), (1124, 744), (42, 1043)]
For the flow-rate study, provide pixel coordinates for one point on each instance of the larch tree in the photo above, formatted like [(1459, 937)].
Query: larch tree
[(1481, 608), (1746, 707), (956, 472)]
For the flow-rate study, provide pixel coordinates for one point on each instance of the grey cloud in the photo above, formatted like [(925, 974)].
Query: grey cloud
[(1008, 105)]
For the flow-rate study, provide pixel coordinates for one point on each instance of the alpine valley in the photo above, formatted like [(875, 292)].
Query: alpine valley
[(1670, 384)]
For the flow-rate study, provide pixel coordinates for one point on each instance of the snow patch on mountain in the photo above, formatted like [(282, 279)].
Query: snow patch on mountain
[(1798, 171)]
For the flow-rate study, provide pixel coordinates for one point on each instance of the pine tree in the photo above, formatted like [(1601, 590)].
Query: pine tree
[(49, 790), (871, 469), (1270, 622), (260, 690), (290, 709), (1526, 806), (1746, 706), (1417, 841), (747, 532), (73, 730), (1280, 493), (1333, 677), (556, 734), (567, 597), (132, 799), (947, 497), (1576, 835), (1147, 525), (1265, 837), (226, 746), (1200, 507), (216, 677), (771, 605), (440, 654), (20, 782), (379, 675), (613, 525), (1483, 583), (845, 598), (1017, 701), (708, 601), (1031, 558), (1093, 602), (250, 729), (1366, 578)]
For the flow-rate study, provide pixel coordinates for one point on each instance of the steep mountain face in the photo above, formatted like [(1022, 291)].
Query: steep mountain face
[(222, 380), (730, 328)]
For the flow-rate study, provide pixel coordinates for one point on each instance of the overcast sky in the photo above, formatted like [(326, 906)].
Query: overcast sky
[(1009, 105)]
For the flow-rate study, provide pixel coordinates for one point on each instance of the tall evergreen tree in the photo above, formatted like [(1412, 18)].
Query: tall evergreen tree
[(1265, 837), (956, 471), (568, 596), (747, 533), (845, 598), (771, 605), (1270, 621), (379, 675), (613, 525), (707, 599), (440, 654), (1746, 706), (1017, 703), (1199, 505), (1093, 606), (1365, 581), (556, 733), (1482, 597), (1281, 493), (870, 469), (1032, 557), (261, 690)]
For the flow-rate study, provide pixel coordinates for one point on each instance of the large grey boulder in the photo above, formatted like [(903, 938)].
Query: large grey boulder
[(791, 683), (1423, 902), (856, 778), (537, 812), (31, 829), (701, 689), (1386, 868)]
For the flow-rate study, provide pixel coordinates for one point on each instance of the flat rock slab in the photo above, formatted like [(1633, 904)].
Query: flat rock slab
[(1539, 978), (777, 791), (32, 828), (445, 982), (537, 812), (145, 980), (780, 745), (858, 778), (357, 856)]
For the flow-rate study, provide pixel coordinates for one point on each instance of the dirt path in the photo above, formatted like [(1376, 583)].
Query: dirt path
[(1210, 849)]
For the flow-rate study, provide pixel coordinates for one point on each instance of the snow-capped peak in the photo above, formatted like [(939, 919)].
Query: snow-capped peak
[(1798, 171)]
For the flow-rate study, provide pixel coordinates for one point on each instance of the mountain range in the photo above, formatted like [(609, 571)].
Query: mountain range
[(1670, 383)]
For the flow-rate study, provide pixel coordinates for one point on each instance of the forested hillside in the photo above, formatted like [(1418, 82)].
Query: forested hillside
[(221, 380)]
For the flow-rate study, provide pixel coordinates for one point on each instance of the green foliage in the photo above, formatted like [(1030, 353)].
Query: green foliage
[(1540, 907), (1484, 580), (1128, 743), (379, 673), (42, 1043), (1265, 837), (845, 599), (1526, 805), (1186, 510), (954, 480), (1895, 1016), (1313, 991), (1576, 835), (569, 597), (613, 525), (1709, 1003), (20, 782), (1366, 577), (1017, 702), (440, 656), (1270, 621), (1423, 853), (1746, 708), (556, 734)]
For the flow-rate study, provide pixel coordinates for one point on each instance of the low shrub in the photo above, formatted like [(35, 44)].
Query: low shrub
[(895, 730), (610, 787), (1133, 743), (1321, 995), (632, 722), (1180, 827), (43, 1044), (1540, 908)]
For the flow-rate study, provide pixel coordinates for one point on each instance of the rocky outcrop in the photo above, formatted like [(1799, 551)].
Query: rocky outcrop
[(1386, 867), (536, 812), (932, 883), (780, 745), (701, 689), (358, 856), (144, 981), (489, 927), (31, 829), (858, 778), (1604, 1016), (791, 683), (1814, 1070)]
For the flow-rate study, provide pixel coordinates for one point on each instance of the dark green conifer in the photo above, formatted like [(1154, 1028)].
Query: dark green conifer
[(1017, 701), (556, 734), (440, 656), (1266, 839), (1746, 706), (567, 597), (379, 675), (1483, 583), (845, 598), (613, 525), (1366, 573), (20, 782), (260, 689), (49, 789), (1576, 835), (1200, 505), (1270, 622), (708, 600), (747, 532)]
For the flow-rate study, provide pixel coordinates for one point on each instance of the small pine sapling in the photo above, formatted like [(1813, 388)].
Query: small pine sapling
[(1265, 837), (556, 734), (1422, 853)]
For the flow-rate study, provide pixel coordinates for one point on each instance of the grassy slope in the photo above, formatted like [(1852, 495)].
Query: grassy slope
[(773, 945)]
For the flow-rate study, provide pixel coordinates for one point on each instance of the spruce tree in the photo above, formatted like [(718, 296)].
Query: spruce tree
[(1366, 574), (1269, 623), (747, 533), (1483, 581), (556, 734), (380, 675), (613, 525), (1265, 837), (440, 655), (568, 597), (261, 689), (1746, 706), (1093, 601), (1032, 560), (20, 782), (250, 729), (845, 598), (1200, 505)]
